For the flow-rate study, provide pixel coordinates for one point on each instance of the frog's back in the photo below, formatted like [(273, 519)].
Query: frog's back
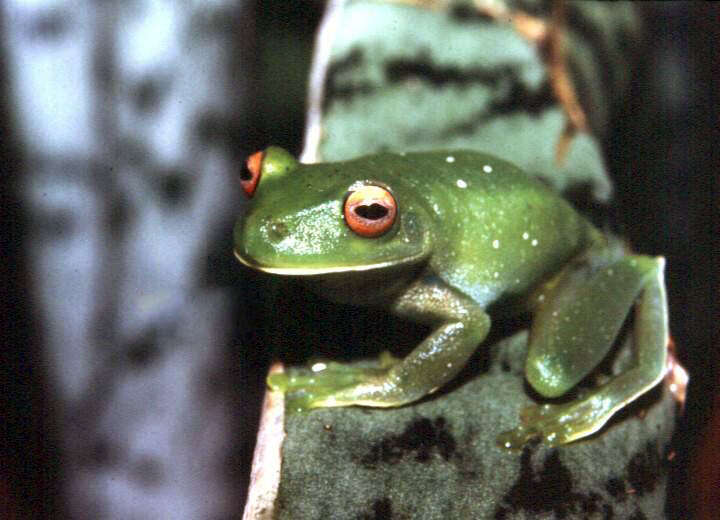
[(497, 232)]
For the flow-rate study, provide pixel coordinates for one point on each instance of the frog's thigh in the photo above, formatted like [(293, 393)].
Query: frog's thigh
[(562, 423), (576, 326)]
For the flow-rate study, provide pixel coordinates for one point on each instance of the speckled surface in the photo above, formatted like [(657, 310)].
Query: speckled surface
[(438, 458)]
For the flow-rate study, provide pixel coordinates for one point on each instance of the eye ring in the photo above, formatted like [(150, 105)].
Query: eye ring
[(250, 174), (370, 210)]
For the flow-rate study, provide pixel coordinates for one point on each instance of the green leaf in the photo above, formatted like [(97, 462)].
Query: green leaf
[(396, 77)]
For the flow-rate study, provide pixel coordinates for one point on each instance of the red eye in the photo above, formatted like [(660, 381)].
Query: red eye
[(370, 211), (250, 175)]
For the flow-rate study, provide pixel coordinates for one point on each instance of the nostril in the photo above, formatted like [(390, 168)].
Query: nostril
[(278, 231)]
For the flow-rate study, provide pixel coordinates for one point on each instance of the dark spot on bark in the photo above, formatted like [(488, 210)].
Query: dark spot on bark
[(103, 72), (421, 438), (381, 510), (50, 25), (468, 14), (143, 350), (174, 187), (519, 98), (147, 471), (338, 90), (638, 515), (213, 128), (134, 152), (549, 490), (590, 504), (118, 216), (422, 68), (644, 469), (523, 98), (607, 511), (616, 488), (146, 95), (102, 452), (55, 225)]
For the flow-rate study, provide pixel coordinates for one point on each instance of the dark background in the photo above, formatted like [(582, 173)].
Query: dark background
[(663, 155)]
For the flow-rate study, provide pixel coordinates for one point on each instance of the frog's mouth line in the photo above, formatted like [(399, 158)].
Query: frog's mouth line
[(309, 271)]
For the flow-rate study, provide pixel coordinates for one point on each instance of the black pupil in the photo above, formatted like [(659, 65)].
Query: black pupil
[(245, 173), (373, 211)]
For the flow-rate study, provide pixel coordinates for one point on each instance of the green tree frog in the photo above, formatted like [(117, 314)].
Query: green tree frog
[(449, 239)]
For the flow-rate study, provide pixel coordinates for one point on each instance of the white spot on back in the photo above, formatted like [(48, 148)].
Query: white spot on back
[(450, 159), (487, 168), (526, 235), (496, 244), (461, 183), (534, 242)]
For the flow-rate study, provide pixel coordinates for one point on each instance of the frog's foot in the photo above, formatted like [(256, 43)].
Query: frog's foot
[(331, 384), (555, 424)]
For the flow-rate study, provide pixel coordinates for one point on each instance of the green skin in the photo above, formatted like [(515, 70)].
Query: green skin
[(472, 234)]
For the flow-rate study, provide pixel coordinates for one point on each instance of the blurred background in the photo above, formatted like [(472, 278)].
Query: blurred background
[(131, 371)]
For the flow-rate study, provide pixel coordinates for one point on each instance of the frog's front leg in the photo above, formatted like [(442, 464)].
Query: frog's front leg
[(459, 326), (573, 331)]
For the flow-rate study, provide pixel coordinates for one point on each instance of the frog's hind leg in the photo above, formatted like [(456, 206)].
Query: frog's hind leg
[(573, 331)]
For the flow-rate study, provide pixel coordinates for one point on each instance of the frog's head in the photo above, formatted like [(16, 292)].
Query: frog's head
[(307, 219)]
